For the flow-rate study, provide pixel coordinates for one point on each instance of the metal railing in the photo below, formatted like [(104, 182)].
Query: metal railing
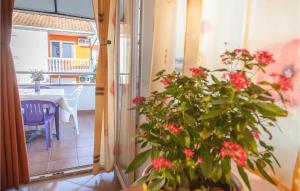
[(70, 65), (59, 76)]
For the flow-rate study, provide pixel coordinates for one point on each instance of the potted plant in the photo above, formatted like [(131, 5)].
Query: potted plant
[(37, 77), (199, 126)]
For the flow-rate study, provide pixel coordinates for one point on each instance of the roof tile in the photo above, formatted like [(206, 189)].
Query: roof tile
[(51, 21)]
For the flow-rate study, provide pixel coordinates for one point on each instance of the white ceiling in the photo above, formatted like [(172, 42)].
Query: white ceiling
[(77, 8)]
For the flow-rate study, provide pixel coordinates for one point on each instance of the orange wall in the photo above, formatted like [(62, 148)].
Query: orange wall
[(80, 51)]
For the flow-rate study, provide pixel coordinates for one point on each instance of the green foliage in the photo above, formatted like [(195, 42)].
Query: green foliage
[(202, 112)]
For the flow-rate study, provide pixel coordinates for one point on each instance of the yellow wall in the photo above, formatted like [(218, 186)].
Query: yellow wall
[(80, 51)]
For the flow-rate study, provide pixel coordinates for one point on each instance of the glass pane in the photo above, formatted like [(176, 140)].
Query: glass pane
[(124, 84), (55, 49), (76, 8), (68, 50)]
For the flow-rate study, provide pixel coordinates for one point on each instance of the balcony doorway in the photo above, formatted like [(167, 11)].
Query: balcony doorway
[(61, 50)]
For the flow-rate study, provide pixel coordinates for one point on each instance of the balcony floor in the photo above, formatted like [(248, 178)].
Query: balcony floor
[(71, 150)]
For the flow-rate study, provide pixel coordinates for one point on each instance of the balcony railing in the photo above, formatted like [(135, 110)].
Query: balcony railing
[(70, 65)]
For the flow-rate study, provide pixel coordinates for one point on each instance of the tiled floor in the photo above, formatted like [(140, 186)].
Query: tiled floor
[(87, 182), (71, 150)]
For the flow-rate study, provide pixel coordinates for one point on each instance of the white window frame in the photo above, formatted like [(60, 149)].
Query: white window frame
[(61, 49)]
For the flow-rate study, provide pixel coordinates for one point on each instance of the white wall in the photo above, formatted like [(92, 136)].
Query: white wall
[(30, 51), (86, 99)]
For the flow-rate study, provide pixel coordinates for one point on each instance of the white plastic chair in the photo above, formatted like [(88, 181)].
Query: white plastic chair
[(72, 101)]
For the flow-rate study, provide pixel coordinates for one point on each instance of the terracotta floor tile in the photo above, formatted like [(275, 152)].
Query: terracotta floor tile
[(85, 151), (62, 164), (64, 144), (37, 145), (39, 156), (63, 151), (38, 168), (65, 154), (85, 142), (85, 160)]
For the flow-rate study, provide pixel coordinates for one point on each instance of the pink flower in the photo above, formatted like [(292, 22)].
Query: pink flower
[(166, 82), (264, 57), (161, 162), (255, 134), (196, 71), (241, 52), (241, 162), (168, 164), (234, 151), (223, 153), (199, 160), (188, 153), (226, 144), (174, 129), (238, 79), (138, 100), (283, 82)]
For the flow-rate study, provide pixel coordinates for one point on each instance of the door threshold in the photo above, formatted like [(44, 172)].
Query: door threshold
[(62, 173)]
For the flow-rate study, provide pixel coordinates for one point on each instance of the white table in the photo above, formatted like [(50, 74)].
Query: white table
[(54, 95)]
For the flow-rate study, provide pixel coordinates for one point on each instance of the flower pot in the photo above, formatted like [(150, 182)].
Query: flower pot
[(37, 86), (236, 184)]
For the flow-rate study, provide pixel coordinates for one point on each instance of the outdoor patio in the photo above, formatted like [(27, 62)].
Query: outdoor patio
[(71, 150)]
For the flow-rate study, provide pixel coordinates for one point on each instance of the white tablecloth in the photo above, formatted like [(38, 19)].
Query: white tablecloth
[(54, 95)]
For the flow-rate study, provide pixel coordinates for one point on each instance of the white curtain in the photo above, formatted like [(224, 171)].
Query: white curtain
[(105, 115), (275, 26)]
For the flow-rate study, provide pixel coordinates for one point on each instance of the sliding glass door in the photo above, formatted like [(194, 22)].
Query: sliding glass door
[(128, 79)]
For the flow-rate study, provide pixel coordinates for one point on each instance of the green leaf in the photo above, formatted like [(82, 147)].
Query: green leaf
[(215, 79), (220, 70), (220, 101), (139, 160), (244, 177), (160, 72), (157, 184), (275, 159), (211, 114), (141, 180), (250, 164), (204, 133), (270, 109), (216, 173), (188, 119), (263, 172), (144, 144)]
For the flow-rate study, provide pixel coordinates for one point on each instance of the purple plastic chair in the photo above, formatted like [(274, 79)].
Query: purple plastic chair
[(40, 112)]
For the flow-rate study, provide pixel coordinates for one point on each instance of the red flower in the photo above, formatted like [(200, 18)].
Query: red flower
[(199, 160), (188, 153), (264, 57), (241, 52), (234, 151), (223, 153), (255, 134), (174, 129), (283, 82), (226, 143), (161, 162), (138, 100), (165, 81), (196, 71), (168, 164), (238, 79)]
